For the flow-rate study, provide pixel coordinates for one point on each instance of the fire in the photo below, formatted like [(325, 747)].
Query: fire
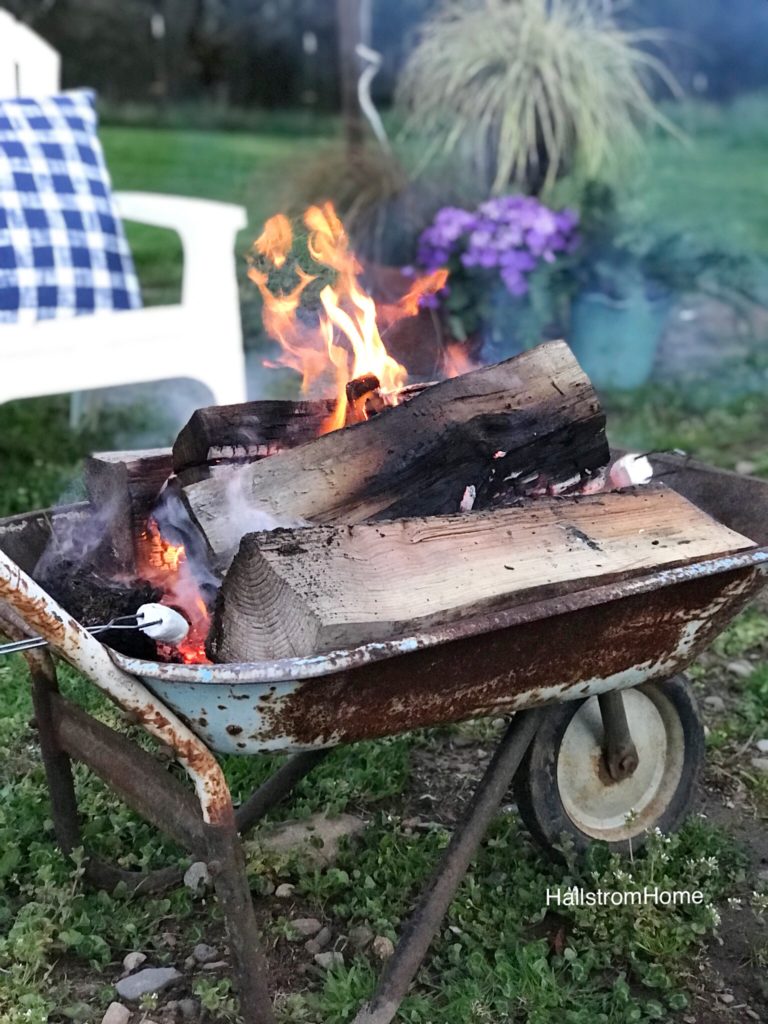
[(346, 342), (456, 361), (166, 565)]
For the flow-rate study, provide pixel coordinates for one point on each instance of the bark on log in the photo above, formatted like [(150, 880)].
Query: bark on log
[(222, 436), (301, 592), (122, 488), (520, 425)]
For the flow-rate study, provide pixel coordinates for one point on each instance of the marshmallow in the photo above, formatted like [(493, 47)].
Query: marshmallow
[(169, 627), (629, 470)]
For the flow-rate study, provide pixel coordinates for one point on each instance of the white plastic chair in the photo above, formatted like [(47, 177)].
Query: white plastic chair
[(200, 339)]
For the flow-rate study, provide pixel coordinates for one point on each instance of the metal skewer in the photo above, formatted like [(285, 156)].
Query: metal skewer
[(121, 622)]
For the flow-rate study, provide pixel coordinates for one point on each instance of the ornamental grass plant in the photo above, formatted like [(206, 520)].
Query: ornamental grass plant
[(527, 90)]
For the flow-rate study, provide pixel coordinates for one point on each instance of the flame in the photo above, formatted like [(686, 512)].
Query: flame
[(456, 361), (346, 341), (166, 565), (275, 241), (410, 303)]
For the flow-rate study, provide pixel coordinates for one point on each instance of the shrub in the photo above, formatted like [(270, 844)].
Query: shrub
[(528, 89)]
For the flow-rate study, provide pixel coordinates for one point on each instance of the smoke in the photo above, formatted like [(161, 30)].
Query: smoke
[(79, 540), (175, 525), (250, 518)]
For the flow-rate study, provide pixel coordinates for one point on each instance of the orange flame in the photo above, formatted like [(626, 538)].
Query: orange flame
[(275, 241), (346, 342), (456, 361), (166, 565)]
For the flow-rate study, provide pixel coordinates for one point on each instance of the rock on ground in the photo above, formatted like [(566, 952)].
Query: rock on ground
[(360, 937), (150, 980), (305, 927), (204, 954), (714, 703), (116, 1014), (317, 838), (320, 941), (382, 947), (197, 876), (133, 960), (285, 891), (329, 959)]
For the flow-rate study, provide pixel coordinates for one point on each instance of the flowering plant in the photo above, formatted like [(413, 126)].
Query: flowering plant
[(514, 241)]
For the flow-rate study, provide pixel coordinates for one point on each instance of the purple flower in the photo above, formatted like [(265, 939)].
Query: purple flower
[(566, 221), (512, 234), (515, 282)]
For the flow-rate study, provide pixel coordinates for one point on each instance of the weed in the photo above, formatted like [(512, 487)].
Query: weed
[(217, 997)]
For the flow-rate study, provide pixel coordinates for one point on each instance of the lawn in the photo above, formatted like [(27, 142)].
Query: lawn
[(252, 170), (713, 187), (500, 959)]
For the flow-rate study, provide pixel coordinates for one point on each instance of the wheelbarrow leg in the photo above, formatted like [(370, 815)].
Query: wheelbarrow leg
[(61, 789), (226, 863), (425, 920), (620, 752), (57, 763)]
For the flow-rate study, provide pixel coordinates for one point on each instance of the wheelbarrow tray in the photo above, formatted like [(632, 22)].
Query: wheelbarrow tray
[(565, 646)]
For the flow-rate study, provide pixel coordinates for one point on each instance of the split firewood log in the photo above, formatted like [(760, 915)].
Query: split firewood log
[(530, 423), (122, 488), (306, 591)]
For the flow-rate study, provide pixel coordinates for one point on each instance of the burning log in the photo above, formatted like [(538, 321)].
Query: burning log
[(360, 392), (222, 436), (500, 428), (122, 488), (301, 592)]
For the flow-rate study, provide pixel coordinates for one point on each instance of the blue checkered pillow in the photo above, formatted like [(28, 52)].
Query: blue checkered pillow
[(62, 247)]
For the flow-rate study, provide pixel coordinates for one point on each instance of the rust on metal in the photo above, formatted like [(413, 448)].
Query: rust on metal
[(134, 774), (654, 635), (39, 611)]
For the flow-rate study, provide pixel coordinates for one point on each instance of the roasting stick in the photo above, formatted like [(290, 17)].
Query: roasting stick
[(165, 624)]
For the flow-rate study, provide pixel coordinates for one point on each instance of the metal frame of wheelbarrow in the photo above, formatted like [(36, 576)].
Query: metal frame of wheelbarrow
[(209, 827), (212, 832)]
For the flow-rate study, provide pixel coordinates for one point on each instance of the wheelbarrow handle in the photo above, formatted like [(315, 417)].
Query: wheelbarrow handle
[(40, 614)]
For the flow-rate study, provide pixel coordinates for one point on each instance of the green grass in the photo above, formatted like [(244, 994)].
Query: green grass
[(236, 167), (498, 957), (660, 418), (711, 188)]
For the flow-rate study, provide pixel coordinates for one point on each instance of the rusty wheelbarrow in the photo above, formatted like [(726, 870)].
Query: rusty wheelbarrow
[(602, 722)]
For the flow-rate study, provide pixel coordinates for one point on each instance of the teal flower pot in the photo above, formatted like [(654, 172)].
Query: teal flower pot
[(615, 340)]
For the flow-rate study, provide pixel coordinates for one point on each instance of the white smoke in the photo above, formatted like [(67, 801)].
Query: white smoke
[(240, 508)]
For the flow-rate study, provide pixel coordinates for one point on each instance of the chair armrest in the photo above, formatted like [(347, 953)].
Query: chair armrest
[(208, 230)]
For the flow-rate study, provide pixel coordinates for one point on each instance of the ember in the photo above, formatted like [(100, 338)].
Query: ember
[(166, 565), (345, 343)]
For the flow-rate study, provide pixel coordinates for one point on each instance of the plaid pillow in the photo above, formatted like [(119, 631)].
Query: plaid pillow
[(62, 246)]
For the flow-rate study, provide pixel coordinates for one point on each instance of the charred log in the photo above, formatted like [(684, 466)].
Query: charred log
[(122, 488), (229, 435), (529, 423)]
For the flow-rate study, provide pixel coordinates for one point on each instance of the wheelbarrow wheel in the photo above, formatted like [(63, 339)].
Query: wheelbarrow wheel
[(565, 791)]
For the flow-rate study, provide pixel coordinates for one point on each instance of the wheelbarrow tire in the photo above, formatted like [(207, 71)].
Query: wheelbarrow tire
[(565, 794)]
